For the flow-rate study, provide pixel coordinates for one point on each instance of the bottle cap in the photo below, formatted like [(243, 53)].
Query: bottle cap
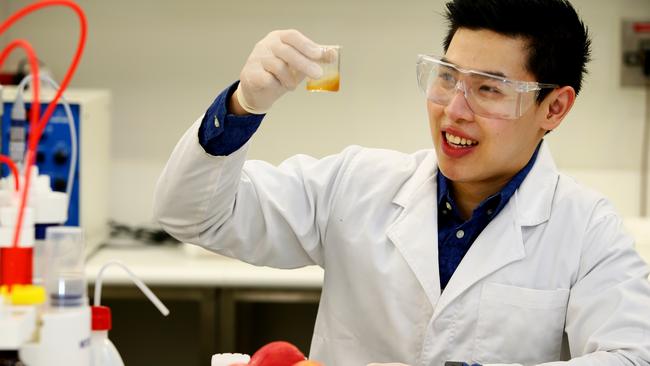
[(227, 359), (23, 294), (101, 318), (16, 265)]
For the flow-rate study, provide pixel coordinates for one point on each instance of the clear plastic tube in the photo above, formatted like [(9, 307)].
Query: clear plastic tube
[(141, 285), (68, 111)]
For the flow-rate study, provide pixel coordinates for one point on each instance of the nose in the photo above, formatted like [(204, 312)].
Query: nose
[(458, 107)]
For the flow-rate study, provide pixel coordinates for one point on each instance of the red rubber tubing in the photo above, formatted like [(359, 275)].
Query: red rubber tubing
[(38, 127), (12, 166)]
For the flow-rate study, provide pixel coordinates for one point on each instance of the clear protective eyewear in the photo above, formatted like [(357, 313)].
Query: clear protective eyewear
[(487, 95)]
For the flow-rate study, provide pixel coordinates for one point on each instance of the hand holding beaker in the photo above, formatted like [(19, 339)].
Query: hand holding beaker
[(277, 64)]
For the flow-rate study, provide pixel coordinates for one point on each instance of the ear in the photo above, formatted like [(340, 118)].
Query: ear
[(555, 107)]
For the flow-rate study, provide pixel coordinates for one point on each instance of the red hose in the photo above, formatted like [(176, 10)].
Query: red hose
[(33, 64), (36, 128), (12, 166)]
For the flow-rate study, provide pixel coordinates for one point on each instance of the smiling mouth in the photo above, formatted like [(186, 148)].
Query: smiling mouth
[(457, 141)]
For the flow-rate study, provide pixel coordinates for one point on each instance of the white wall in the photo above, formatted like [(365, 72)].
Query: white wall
[(166, 60)]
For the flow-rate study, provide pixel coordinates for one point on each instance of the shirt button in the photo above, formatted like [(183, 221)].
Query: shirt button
[(460, 234), (489, 212), (444, 212), (216, 122), (448, 205)]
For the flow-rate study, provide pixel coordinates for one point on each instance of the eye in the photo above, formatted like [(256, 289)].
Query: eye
[(446, 79), (490, 89), (446, 76)]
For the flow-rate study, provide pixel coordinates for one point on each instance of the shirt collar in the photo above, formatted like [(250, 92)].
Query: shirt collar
[(496, 201)]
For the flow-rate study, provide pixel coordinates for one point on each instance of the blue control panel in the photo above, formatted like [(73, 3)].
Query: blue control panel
[(54, 152)]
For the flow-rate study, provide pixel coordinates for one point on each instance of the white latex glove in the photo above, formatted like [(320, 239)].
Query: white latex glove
[(277, 64)]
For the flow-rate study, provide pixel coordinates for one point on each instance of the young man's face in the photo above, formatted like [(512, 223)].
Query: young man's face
[(502, 147)]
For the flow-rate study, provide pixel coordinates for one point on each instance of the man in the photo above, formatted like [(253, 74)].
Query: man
[(479, 251)]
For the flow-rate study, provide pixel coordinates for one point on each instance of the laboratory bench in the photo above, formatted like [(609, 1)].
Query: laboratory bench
[(217, 304)]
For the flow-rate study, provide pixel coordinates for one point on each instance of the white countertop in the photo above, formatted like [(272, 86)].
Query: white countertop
[(185, 265), (181, 266)]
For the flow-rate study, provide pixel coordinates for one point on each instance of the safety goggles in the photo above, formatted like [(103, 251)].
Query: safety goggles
[(487, 95)]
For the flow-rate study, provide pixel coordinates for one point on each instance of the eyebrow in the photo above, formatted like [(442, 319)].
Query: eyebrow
[(495, 73)]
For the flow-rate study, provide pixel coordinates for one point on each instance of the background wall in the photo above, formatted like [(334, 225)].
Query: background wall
[(165, 61)]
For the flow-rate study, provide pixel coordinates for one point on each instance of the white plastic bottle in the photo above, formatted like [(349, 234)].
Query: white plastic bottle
[(102, 349)]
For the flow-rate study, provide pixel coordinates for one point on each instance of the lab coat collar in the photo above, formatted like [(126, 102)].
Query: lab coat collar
[(415, 231), (533, 198)]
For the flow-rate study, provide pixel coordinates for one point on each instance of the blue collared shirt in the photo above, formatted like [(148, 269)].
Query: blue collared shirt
[(455, 236)]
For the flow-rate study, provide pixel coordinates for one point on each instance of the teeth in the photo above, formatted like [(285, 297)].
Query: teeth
[(456, 140)]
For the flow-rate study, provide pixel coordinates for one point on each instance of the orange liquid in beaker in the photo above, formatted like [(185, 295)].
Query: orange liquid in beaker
[(330, 83)]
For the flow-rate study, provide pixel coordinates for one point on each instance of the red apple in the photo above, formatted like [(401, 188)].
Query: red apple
[(277, 354)]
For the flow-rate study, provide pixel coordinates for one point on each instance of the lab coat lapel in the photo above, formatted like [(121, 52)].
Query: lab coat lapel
[(501, 242), (415, 231)]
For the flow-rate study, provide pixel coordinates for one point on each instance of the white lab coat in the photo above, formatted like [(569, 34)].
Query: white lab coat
[(554, 260)]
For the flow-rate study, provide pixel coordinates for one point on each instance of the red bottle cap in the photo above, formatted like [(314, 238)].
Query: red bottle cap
[(16, 266), (101, 318)]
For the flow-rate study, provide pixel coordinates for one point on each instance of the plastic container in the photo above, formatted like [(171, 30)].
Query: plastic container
[(227, 359), (103, 350), (63, 338), (63, 253), (331, 64)]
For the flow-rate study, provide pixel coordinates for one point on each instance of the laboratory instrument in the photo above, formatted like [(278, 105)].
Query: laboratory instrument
[(89, 186), (45, 318)]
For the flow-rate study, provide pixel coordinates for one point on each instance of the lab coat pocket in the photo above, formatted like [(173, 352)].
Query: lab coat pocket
[(520, 325)]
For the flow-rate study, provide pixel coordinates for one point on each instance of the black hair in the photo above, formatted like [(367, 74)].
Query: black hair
[(558, 41)]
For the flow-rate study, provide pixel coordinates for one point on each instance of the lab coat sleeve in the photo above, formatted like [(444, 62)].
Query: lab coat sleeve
[(251, 210), (608, 315)]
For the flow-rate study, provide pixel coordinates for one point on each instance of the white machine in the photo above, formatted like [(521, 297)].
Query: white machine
[(91, 111)]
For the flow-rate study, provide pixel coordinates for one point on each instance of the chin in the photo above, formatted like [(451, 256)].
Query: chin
[(454, 172)]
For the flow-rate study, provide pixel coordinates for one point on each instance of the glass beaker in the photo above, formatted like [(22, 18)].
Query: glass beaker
[(331, 64)]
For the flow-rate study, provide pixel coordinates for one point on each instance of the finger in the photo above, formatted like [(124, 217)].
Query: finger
[(259, 79), (282, 72), (301, 43), (296, 60)]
